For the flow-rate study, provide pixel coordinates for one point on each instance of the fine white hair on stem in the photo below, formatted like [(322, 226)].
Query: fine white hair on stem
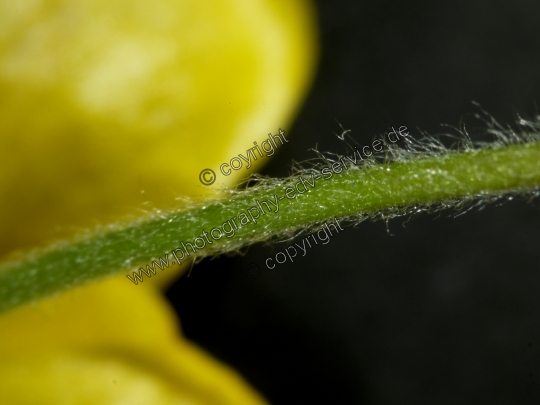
[(413, 148)]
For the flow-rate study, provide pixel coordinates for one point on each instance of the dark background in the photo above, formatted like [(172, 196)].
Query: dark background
[(445, 310)]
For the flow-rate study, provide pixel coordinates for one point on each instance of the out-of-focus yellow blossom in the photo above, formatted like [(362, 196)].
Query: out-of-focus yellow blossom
[(107, 108), (106, 105), (108, 343)]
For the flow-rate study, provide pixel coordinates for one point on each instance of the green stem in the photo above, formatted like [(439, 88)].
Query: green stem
[(354, 193)]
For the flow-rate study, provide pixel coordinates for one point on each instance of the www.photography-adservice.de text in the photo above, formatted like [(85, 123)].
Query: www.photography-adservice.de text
[(229, 227)]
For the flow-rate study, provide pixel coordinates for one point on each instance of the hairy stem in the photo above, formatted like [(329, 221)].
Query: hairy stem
[(356, 193)]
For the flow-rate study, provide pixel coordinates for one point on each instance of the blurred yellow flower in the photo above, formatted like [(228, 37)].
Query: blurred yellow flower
[(108, 343), (106, 105), (107, 108)]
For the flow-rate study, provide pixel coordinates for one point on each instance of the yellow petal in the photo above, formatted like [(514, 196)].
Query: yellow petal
[(107, 108), (108, 343)]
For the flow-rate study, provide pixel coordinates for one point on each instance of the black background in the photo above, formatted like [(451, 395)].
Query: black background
[(444, 310)]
